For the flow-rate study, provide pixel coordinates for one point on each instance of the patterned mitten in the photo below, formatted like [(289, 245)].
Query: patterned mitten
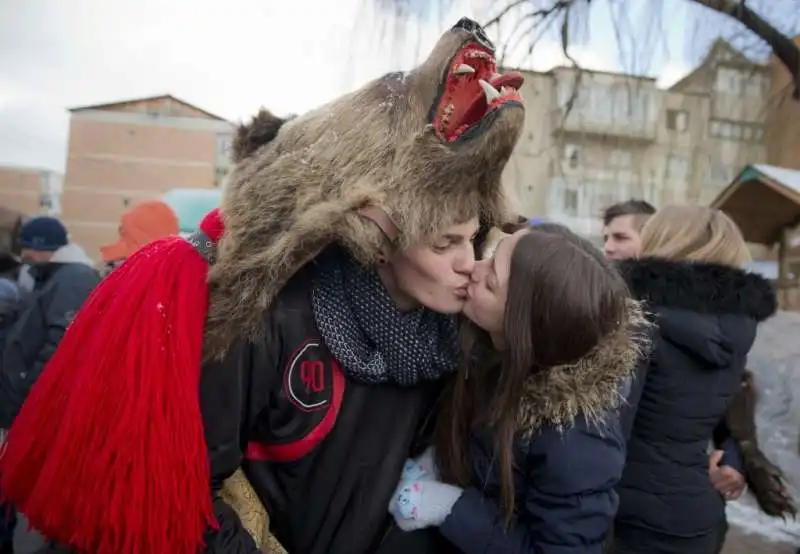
[(422, 468), (419, 504)]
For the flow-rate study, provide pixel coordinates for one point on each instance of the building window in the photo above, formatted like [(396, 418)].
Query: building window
[(719, 174), (224, 143), (573, 156), (753, 133), (601, 103), (756, 86), (224, 150), (678, 120), (620, 158), (729, 80), (677, 167), (731, 130), (220, 177), (720, 129), (601, 201), (580, 96), (571, 201)]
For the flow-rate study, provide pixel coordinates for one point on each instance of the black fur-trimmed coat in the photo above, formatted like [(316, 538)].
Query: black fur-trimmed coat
[(707, 316)]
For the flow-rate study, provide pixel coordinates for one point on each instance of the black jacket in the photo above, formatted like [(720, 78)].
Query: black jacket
[(323, 453), (10, 305), (707, 316), (570, 456), (61, 287)]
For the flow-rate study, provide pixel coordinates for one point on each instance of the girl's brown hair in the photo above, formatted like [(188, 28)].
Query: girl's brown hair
[(563, 298)]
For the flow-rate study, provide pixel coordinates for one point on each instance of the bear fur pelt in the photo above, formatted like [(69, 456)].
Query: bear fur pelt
[(300, 184)]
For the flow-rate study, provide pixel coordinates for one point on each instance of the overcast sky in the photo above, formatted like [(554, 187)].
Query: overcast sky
[(228, 57)]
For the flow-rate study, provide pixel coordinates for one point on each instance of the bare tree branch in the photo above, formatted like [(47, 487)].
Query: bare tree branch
[(565, 48), (544, 12), (785, 49)]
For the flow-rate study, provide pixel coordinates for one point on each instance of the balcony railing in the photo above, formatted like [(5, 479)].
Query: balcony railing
[(578, 122)]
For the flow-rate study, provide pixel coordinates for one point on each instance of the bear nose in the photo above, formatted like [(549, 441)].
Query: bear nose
[(475, 30)]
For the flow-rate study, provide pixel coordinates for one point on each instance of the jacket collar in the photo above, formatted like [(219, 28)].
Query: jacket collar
[(589, 388), (700, 287)]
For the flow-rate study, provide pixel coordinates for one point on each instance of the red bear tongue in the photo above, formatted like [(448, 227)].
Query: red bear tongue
[(513, 79)]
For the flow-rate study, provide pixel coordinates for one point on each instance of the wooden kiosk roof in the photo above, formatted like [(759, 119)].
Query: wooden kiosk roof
[(763, 200)]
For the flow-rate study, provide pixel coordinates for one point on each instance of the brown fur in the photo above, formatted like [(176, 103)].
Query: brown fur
[(765, 479), (589, 388), (301, 191), (262, 129)]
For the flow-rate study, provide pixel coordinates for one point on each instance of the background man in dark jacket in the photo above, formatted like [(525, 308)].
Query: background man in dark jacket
[(63, 277), (10, 299)]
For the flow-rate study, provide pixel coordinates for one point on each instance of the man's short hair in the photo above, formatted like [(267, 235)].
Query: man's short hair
[(629, 207)]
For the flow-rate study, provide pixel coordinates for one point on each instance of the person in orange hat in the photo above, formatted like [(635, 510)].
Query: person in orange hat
[(140, 225)]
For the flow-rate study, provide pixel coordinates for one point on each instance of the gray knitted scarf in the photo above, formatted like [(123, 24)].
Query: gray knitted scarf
[(363, 329)]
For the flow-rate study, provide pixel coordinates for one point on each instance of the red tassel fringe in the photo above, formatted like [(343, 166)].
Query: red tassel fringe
[(108, 453)]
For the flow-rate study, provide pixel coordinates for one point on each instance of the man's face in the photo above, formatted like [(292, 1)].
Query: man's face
[(34, 257), (436, 275), (621, 238)]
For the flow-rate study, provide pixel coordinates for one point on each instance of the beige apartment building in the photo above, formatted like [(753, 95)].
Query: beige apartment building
[(125, 152), (624, 137), (30, 190), (783, 118)]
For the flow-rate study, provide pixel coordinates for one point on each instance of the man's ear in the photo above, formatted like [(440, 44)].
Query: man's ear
[(382, 257)]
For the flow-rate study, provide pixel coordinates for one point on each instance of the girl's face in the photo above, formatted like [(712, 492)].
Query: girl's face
[(488, 289)]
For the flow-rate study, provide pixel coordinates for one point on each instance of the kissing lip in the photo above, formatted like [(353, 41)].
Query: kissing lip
[(462, 292)]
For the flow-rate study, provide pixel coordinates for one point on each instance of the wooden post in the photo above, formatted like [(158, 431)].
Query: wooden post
[(783, 269)]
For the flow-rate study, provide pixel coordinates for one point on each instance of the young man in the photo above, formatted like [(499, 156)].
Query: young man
[(322, 299), (622, 224)]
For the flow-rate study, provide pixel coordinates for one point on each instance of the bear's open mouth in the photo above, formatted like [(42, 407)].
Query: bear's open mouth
[(471, 90)]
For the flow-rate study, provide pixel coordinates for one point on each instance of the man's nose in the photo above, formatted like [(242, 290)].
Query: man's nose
[(466, 263)]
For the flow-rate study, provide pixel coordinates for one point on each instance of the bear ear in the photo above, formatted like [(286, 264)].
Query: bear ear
[(259, 131)]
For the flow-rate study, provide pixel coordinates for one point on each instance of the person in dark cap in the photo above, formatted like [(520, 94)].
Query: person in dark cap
[(63, 277), (10, 301)]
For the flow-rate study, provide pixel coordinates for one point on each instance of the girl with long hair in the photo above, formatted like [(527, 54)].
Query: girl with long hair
[(529, 446)]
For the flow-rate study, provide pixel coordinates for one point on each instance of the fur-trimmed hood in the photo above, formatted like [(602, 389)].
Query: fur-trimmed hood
[(590, 388), (700, 287)]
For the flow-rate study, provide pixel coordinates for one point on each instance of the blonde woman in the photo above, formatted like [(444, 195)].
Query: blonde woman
[(707, 309)]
